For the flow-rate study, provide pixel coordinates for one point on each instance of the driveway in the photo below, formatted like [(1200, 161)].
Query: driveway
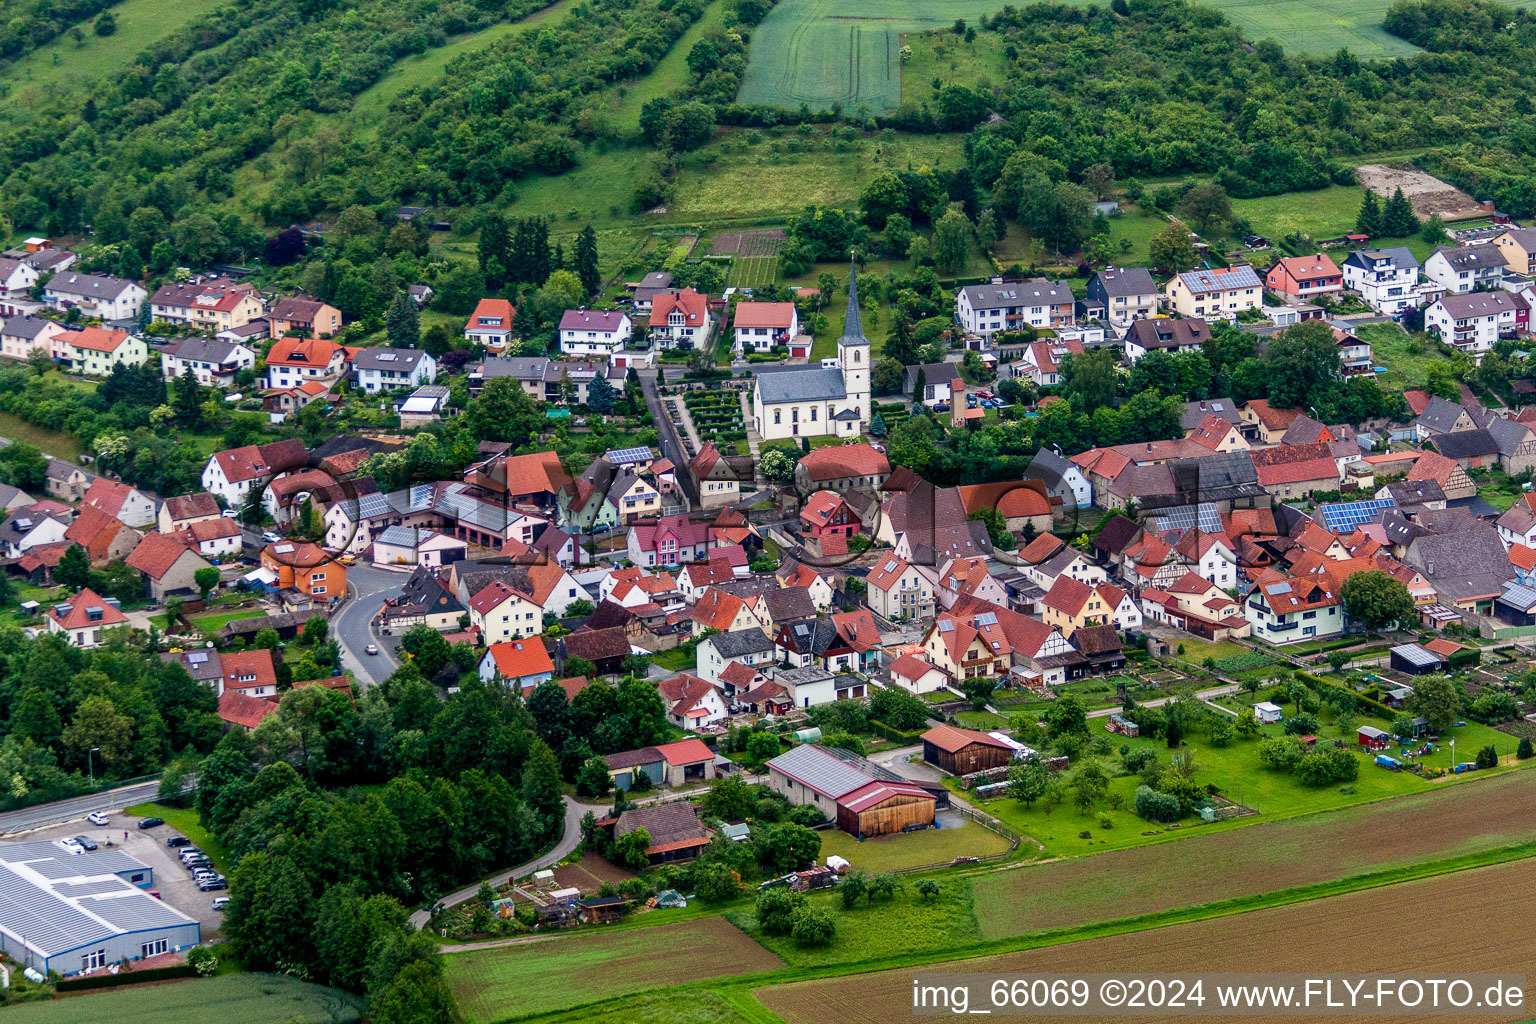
[(569, 840), (367, 587)]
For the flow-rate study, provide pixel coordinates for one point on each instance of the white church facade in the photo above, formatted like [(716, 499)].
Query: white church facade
[(819, 401)]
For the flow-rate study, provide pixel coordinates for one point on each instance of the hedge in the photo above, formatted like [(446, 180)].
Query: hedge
[(1323, 687), (106, 980), (895, 735)]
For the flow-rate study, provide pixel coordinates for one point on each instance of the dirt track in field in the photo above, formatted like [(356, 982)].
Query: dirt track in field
[(1469, 921), (1259, 858)]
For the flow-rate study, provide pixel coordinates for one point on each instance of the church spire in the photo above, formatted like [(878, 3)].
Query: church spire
[(853, 325)]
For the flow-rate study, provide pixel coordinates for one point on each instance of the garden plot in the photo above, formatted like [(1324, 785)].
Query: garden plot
[(716, 416)]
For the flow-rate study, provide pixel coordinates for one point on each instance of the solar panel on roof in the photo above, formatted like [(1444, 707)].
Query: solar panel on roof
[(618, 455), (197, 657), (890, 566), (1281, 588), (946, 626), (1204, 517), (1342, 517), (986, 619)]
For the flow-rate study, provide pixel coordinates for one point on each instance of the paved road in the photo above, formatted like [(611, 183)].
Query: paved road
[(367, 587), (671, 444), (569, 840), (29, 818)]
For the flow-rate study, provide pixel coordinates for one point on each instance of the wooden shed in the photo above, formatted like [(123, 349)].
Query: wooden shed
[(881, 808), (962, 751)]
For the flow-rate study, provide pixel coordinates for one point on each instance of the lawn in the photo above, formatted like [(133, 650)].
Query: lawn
[(242, 998), (1196, 651), (906, 923), (1407, 357), (912, 849), (493, 984), (210, 624), (186, 822), (58, 444), (1324, 213)]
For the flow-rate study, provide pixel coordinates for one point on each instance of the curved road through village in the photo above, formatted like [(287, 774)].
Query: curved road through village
[(367, 587)]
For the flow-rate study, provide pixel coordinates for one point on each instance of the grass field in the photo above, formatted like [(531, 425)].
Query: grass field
[(1374, 930), (513, 981), (64, 66), (1265, 857), (54, 443), (186, 822), (210, 624), (913, 849), (821, 52), (243, 998), (670, 73), (1406, 357)]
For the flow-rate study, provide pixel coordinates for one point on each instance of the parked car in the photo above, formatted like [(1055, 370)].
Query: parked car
[(210, 884), (230, 513), (193, 864), (70, 846), (271, 536), (98, 818), (177, 841), (220, 902), (149, 823), (87, 843)]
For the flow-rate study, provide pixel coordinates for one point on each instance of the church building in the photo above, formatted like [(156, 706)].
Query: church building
[(819, 401)]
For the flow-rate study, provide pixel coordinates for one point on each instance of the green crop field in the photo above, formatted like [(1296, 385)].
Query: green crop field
[(821, 52), (753, 271), (246, 998)]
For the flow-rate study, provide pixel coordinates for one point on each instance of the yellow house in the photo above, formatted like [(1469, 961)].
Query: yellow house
[(1223, 292), (1071, 605), (1518, 247), (95, 350)]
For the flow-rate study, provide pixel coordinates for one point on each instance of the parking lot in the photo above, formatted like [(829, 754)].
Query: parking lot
[(172, 881)]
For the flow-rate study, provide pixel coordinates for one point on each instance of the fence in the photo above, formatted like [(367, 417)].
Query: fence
[(986, 822), (70, 809)]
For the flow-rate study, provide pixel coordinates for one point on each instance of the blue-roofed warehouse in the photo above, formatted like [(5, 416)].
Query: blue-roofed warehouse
[(79, 912)]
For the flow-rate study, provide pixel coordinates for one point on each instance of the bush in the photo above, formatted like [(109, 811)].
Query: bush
[(1303, 724), (1492, 706), (813, 926), (1279, 753), (1524, 751), (1243, 662), (1155, 806), (1137, 759), (776, 909), (1326, 765), (1488, 757)]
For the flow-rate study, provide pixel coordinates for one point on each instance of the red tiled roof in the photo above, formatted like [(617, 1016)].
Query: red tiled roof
[(1067, 595), (490, 596), (205, 530), (97, 339), (1432, 466), (693, 306), (1015, 499), (253, 461), (836, 462), (190, 506), (911, 667), (684, 692), (495, 308), (1272, 418), (78, 616), (302, 352), (107, 495), (764, 314), (94, 530), (820, 506), (518, 659), (248, 669), (858, 629), (715, 609), (573, 685), (156, 553), (239, 709), (685, 752)]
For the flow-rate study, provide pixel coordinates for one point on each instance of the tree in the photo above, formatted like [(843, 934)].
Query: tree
[(730, 798), (1375, 599), (628, 850), (503, 412), (1437, 700), (775, 909), (427, 648), (776, 465), (601, 396), (979, 690), (927, 888), (1171, 249), (785, 847), (1207, 206), (813, 926), (887, 377), (1066, 716), (1089, 783), (952, 239), (1092, 378), (1487, 757), (1524, 751), (1027, 781), (1247, 724), (402, 323), (35, 718), (586, 260), (206, 579), (593, 779), (1397, 217), (987, 230), (74, 568), (106, 24), (1368, 221)]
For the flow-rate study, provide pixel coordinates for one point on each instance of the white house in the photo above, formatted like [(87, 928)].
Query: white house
[(379, 369), (231, 474), (84, 618), (1387, 279), (749, 647), (679, 318), (21, 334), (490, 324), (524, 663), (502, 614), (759, 326), (17, 276), (593, 333), (106, 298), (215, 538), (1473, 322), (213, 362), (403, 546), (1464, 269), (1286, 610), (986, 309), (295, 361), (914, 674)]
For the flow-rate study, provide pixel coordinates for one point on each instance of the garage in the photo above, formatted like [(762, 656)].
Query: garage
[(881, 808)]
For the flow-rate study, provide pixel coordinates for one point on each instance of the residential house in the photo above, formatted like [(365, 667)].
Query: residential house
[(295, 361), (899, 592), (298, 316), (963, 578), (167, 565), (1164, 334), (1354, 351), (521, 663), (424, 600), (937, 382), (1210, 556), (987, 309), (845, 467), (1048, 557), (605, 648), (121, 501), (1069, 605), (21, 335), (94, 351), (1223, 292), (859, 632), (718, 610), (1286, 610), (692, 703), (1023, 504), (212, 363), (1296, 470), (652, 284), (402, 545), (103, 537), (1469, 449), (1305, 278), (811, 685), (1518, 247), (547, 380), (1197, 605), (827, 512), (380, 369), (673, 829), (1063, 480), (306, 569), (679, 319), (1442, 416), (1267, 424), (1219, 435), (915, 675), (715, 480), (1452, 479), (981, 639), (214, 539), (1466, 269), (95, 295), (815, 643), (233, 473), (490, 324), (1473, 322), (593, 333), (32, 526), (1517, 445), (1386, 279), (1041, 361), (763, 326), (1466, 562), (1128, 294), (66, 481), (212, 304), (794, 576), (670, 540), (85, 618), (17, 276)]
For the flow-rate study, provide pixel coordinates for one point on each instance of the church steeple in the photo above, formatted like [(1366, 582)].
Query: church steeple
[(853, 325)]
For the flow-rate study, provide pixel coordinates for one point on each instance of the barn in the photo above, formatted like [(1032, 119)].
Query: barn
[(962, 751), (863, 798)]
